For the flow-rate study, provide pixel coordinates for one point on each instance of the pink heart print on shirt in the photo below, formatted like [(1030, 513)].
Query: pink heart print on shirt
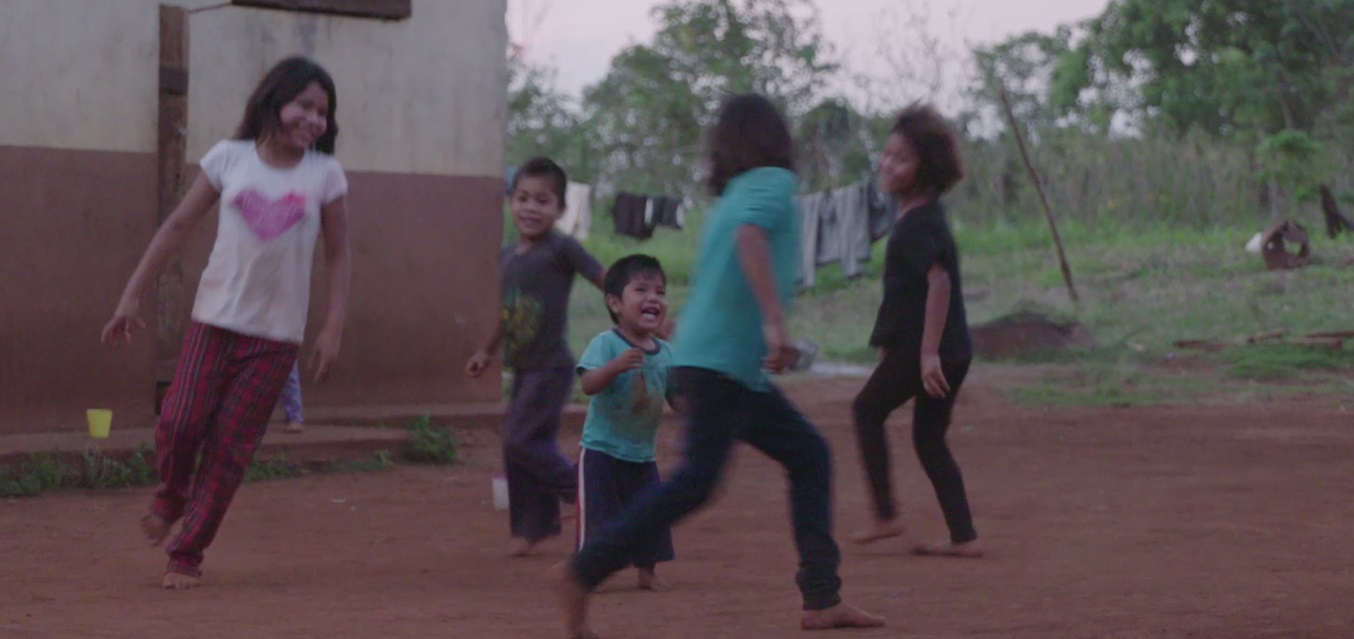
[(270, 218)]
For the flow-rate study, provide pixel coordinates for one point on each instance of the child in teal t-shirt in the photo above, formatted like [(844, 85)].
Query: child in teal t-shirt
[(625, 371), (732, 332)]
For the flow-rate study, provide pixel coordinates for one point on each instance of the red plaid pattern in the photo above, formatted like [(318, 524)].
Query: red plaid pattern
[(214, 416)]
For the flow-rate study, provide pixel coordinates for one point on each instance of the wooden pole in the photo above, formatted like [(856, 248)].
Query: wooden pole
[(171, 158), (1038, 186)]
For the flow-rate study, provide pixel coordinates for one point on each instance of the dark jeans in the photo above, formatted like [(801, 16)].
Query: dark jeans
[(538, 474), (719, 411), (896, 380)]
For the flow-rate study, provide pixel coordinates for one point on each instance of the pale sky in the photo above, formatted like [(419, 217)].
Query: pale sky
[(580, 36)]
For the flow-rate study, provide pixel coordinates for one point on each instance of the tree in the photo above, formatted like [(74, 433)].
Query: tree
[(1029, 66), (1223, 66), (646, 118), (542, 120)]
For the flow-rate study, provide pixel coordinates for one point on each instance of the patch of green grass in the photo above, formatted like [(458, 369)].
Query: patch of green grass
[(273, 467), (1120, 383), (34, 476), (94, 469), (1283, 361), (1054, 395), (103, 471), (1143, 286), (279, 466), (430, 443), (379, 460)]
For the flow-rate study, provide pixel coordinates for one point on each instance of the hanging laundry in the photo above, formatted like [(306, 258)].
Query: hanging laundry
[(577, 218), (638, 215), (668, 212), (628, 216), (829, 230), (883, 209), (808, 206), (839, 226), (853, 222)]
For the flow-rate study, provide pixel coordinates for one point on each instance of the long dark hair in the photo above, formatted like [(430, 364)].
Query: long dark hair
[(286, 80), (749, 133)]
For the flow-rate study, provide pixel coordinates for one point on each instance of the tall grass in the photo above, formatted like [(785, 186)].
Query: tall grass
[(1111, 182)]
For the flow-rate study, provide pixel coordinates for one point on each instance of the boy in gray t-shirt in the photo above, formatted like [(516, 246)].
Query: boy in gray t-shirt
[(538, 274)]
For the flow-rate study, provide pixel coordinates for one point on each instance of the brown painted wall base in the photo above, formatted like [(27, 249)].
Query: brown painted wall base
[(72, 227), (425, 290), (74, 223)]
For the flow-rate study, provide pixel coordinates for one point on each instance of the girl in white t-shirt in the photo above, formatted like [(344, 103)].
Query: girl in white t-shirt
[(280, 189)]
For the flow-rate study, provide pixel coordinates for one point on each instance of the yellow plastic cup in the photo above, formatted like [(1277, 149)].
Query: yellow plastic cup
[(100, 422)]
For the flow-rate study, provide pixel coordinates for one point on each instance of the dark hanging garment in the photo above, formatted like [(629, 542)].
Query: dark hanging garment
[(668, 212), (882, 211), (627, 216)]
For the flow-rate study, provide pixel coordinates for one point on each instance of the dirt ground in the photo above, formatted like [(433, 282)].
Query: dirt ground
[(1220, 521)]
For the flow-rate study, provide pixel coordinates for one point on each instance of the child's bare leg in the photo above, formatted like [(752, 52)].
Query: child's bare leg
[(966, 550), (179, 581), (839, 616), (155, 528), (882, 529), (648, 580), (574, 603)]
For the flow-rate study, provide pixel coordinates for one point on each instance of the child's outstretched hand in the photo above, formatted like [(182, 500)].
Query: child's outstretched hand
[(326, 351), (478, 363), (125, 319)]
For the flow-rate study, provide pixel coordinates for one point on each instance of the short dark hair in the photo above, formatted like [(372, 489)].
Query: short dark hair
[(546, 168), (939, 166), (623, 271), (749, 133), (286, 80)]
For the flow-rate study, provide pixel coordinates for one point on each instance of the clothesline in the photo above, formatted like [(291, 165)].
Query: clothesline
[(839, 226)]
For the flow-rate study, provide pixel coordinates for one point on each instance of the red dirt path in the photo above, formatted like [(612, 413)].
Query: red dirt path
[(1230, 522)]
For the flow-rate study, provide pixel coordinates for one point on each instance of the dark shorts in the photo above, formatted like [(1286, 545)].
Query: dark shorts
[(606, 487)]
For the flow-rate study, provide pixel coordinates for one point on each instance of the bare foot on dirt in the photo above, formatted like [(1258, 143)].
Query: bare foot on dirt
[(839, 616), (155, 528), (880, 531), (295, 428), (648, 580), (966, 550), (523, 548), (179, 581), (573, 599)]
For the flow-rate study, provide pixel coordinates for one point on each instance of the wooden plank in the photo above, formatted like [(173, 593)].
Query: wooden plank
[(171, 152), (380, 9)]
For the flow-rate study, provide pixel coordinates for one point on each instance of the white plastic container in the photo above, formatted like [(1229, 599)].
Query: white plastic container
[(500, 487)]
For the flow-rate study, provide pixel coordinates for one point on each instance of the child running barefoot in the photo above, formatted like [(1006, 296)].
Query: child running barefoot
[(625, 371), (280, 190), (733, 328), (921, 330), (538, 274)]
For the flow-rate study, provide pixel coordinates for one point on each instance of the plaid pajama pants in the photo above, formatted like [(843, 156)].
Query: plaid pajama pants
[(214, 416)]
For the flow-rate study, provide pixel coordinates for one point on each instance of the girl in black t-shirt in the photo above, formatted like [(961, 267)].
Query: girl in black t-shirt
[(921, 330)]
